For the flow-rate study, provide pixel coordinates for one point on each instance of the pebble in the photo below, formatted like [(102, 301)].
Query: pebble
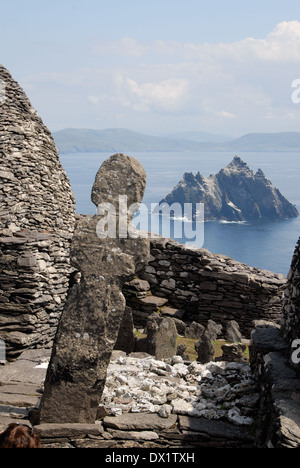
[(216, 390)]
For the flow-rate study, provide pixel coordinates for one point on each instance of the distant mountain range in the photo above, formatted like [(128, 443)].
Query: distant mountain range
[(119, 140)]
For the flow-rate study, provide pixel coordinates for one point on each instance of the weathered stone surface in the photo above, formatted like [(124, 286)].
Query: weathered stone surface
[(140, 422), (171, 312), (204, 349), (204, 346), (134, 435), (24, 370), (164, 340), (213, 428), (37, 218), (161, 337), (213, 330), (233, 352), (210, 287), (119, 175), (137, 287), (68, 430), (289, 423), (266, 337), (39, 190), (233, 334), (194, 331), (153, 303), (278, 416), (90, 322), (181, 348), (290, 323), (146, 385), (126, 339), (18, 400), (140, 384)]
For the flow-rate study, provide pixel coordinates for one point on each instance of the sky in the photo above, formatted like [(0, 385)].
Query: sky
[(159, 67)]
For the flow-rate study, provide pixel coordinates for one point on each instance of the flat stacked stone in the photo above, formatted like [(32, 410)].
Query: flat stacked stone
[(208, 286), (290, 323), (37, 218)]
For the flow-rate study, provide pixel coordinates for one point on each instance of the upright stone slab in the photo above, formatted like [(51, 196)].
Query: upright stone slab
[(205, 349), (90, 323), (194, 331), (164, 341), (233, 334), (126, 339)]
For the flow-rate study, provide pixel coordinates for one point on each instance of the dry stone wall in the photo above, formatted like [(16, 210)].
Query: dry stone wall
[(204, 286), (35, 191), (291, 308), (34, 283), (275, 364), (278, 421), (37, 217)]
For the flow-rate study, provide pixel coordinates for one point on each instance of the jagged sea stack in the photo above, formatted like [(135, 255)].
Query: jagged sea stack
[(235, 193), (37, 217)]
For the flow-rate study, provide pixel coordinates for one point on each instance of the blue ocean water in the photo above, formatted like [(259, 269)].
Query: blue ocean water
[(267, 245)]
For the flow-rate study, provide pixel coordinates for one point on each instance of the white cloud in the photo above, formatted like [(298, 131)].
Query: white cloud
[(94, 99), (246, 84), (225, 114), (281, 44), (166, 95), (126, 46)]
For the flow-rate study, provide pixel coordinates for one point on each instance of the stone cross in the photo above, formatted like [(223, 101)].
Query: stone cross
[(90, 322)]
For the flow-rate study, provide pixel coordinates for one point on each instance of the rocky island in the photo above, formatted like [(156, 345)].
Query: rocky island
[(235, 193)]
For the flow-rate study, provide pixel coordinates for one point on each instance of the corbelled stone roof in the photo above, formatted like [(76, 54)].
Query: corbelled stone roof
[(35, 192)]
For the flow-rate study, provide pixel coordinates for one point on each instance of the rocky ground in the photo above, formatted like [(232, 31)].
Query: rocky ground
[(146, 401), (217, 390), (21, 384)]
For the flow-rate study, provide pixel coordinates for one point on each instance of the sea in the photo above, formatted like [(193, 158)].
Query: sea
[(267, 245)]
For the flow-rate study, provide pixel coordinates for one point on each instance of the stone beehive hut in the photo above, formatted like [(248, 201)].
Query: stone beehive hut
[(37, 217)]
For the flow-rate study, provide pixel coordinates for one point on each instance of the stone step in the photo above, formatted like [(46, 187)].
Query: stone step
[(15, 402), (136, 286), (23, 370), (140, 422), (55, 431), (149, 303), (171, 312), (18, 399), (9, 418), (215, 429)]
